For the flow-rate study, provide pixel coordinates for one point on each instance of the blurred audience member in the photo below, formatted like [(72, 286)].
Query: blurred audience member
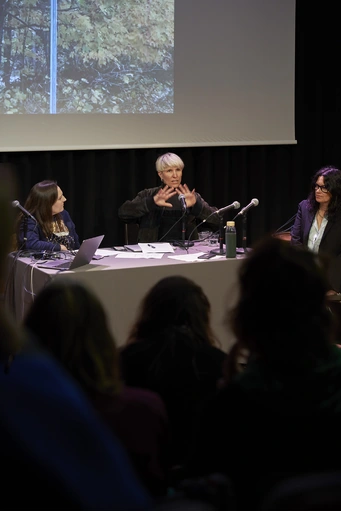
[(234, 364), (171, 350), (72, 325), (281, 415)]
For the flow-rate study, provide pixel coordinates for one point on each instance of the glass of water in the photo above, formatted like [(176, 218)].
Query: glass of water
[(204, 237)]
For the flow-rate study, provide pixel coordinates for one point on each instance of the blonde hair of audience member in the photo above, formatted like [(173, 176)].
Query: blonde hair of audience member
[(174, 302), (71, 323)]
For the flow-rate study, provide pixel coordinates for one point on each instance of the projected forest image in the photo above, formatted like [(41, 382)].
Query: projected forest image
[(86, 56)]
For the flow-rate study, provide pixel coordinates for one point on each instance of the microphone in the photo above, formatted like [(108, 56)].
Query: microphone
[(253, 203), (16, 204), (182, 202), (234, 205)]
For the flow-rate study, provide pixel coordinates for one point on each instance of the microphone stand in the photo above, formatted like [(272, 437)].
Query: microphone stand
[(25, 233), (221, 250), (244, 247), (185, 244), (183, 231)]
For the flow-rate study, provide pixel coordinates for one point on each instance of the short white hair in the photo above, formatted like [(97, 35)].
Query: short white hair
[(168, 160)]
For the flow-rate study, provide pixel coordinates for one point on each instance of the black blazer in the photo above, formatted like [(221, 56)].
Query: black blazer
[(330, 242)]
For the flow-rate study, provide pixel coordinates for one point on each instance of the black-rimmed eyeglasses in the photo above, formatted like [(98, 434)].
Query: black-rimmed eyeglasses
[(321, 187)]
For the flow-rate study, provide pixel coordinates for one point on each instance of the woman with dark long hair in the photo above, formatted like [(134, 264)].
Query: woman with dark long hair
[(318, 221), (280, 416), (53, 229), (171, 350), (71, 324)]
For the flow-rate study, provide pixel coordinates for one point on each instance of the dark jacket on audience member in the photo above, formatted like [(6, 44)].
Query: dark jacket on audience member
[(184, 378), (139, 419), (269, 424), (330, 242), (56, 452), (36, 239)]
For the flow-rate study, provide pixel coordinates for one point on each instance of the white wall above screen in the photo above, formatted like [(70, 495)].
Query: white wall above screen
[(232, 83)]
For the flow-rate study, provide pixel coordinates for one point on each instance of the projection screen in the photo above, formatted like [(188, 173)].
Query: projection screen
[(78, 74)]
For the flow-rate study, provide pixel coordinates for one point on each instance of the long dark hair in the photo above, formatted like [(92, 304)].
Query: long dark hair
[(332, 182), (39, 202), (71, 323), (174, 303), (281, 313)]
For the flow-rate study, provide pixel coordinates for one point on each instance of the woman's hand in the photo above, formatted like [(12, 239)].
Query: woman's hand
[(190, 196), (163, 195), (63, 248)]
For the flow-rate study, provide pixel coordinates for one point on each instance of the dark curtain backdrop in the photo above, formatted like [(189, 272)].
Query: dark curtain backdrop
[(97, 182)]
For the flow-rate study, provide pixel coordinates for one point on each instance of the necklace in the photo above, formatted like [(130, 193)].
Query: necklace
[(321, 215)]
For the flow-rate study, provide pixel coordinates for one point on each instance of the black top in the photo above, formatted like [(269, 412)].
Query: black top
[(330, 242), (268, 425), (183, 376)]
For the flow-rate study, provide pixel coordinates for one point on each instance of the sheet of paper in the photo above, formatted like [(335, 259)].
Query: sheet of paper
[(156, 247), (186, 257), (139, 255), (193, 257), (106, 252)]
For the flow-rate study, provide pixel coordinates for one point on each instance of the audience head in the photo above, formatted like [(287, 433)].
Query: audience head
[(10, 336), (282, 309), (174, 303), (70, 322), (7, 192), (326, 188)]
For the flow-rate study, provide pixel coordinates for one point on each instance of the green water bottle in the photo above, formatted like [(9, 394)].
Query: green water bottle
[(230, 239)]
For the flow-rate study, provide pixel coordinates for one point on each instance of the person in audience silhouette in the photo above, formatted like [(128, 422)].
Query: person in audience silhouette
[(281, 415), (158, 210), (53, 228), (318, 221), (171, 350), (82, 342), (56, 453)]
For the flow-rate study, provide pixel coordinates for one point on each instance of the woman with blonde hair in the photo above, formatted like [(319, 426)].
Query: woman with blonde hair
[(159, 212)]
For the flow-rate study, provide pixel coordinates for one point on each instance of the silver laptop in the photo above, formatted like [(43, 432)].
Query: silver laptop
[(84, 255)]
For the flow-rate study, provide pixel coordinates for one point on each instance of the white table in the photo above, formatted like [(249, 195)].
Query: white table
[(122, 283)]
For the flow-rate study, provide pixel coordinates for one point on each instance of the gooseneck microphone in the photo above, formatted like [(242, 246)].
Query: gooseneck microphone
[(16, 204), (244, 210), (234, 205), (183, 202)]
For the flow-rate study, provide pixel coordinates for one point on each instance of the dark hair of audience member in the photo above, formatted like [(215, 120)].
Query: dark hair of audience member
[(71, 323), (281, 313), (10, 335), (177, 304)]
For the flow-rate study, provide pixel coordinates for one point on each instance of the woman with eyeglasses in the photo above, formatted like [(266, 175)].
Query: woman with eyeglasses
[(318, 221), (160, 211)]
